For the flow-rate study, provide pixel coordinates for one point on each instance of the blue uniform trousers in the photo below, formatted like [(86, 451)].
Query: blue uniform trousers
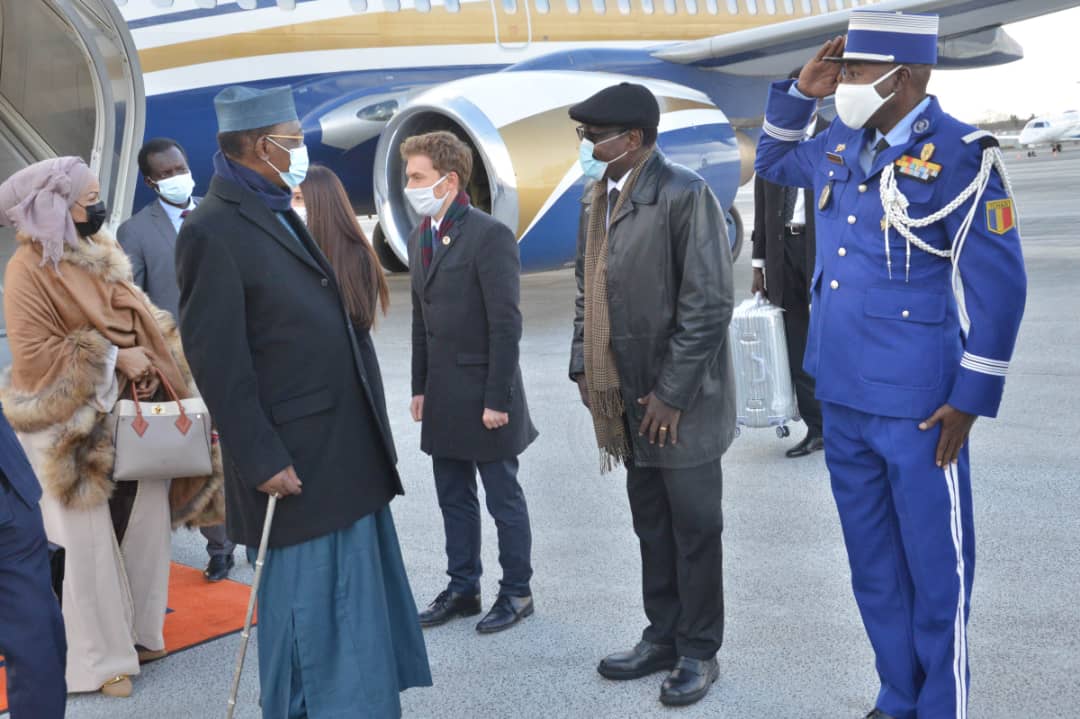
[(455, 483), (908, 528), (31, 628)]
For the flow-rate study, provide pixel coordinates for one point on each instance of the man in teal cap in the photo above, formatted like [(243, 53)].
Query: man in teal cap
[(295, 391)]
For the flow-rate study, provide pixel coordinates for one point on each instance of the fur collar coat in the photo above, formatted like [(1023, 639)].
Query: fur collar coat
[(62, 324)]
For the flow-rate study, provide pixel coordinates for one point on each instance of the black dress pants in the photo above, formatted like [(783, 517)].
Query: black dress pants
[(678, 521), (797, 327)]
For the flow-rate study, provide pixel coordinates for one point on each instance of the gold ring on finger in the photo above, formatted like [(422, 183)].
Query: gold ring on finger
[(663, 429)]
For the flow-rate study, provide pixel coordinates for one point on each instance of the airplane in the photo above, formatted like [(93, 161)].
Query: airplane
[(94, 77), (1050, 130)]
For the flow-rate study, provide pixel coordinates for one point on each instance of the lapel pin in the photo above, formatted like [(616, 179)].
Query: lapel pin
[(927, 151), (446, 240), (921, 125), (823, 200), (841, 147)]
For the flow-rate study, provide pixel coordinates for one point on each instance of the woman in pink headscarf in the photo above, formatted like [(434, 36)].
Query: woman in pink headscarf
[(79, 332)]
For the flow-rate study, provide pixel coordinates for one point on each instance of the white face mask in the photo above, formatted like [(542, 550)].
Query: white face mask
[(298, 165), (423, 199), (856, 104), (176, 189)]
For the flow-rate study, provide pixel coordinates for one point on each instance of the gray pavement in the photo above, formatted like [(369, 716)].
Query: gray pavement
[(794, 644)]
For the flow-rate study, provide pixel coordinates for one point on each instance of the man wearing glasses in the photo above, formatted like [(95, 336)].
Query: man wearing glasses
[(650, 358), (295, 391)]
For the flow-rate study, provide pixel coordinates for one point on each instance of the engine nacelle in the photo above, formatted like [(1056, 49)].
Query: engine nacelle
[(525, 169)]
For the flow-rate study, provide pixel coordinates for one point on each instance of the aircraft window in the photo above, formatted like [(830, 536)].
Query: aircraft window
[(733, 7), (358, 5), (423, 5), (543, 6), (624, 7), (691, 7), (838, 4), (510, 6), (751, 6), (286, 4), (670, 7), (647, 7), (807, 7), (599, 7), (712, 7), (453, 5), (392, 5), (248, 4), (789, 7), (770, 7), (823, 5)]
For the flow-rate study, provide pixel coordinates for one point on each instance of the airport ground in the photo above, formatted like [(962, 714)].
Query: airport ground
[(794, 644)]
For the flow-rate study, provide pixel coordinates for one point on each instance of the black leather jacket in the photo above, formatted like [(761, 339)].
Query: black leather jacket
[(670, 298)]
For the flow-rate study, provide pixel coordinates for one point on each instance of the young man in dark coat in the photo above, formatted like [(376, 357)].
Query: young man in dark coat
[(651, 361), (467, 387), (295, 391)]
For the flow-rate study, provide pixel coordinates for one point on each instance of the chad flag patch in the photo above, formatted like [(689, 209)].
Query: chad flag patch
[(1000, 216)]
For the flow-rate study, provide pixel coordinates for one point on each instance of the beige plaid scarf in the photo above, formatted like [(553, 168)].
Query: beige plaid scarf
[(601, 374)]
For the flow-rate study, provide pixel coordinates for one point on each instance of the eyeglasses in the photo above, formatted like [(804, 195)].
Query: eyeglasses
[(583, 134), (297, 138)]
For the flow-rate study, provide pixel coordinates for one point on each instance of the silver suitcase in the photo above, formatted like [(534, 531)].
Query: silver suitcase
[(764, 393)]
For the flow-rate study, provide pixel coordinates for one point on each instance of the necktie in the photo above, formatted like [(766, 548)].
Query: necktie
[(882, 144), (612, 200)]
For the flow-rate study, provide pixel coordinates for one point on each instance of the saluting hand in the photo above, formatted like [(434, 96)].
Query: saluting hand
[(955, 427), (819, 77)]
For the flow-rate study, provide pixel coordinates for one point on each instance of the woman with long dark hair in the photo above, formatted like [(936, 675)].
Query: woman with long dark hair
[(332, 222)]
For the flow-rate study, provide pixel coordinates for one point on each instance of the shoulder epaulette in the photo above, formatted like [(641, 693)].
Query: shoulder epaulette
[(984, 138)]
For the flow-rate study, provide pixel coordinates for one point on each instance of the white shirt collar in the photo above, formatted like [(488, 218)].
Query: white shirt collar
[(173, 212), (613, 185)]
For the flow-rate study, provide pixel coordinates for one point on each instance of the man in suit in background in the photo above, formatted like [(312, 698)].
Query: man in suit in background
[(149, 239), (783, 262), (467, 387), (32, 636)]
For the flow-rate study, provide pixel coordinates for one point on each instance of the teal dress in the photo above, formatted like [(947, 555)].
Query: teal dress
[(338, 631)]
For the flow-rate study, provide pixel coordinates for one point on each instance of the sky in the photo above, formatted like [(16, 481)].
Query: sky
[(1045, 82)]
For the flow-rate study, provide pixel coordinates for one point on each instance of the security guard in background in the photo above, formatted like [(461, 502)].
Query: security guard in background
[(916, 299)]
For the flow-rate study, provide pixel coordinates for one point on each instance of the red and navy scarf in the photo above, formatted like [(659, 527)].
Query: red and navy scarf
[(453, 215)]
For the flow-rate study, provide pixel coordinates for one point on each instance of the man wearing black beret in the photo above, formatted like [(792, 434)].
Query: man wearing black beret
[(650, 358)]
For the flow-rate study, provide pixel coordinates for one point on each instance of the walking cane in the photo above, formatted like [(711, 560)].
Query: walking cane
[(244, 635)]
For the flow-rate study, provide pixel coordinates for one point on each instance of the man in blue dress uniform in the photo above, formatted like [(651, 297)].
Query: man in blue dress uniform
[(916, 299)]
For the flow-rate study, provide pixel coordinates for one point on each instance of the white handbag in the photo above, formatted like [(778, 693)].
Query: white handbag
[(160, 440)]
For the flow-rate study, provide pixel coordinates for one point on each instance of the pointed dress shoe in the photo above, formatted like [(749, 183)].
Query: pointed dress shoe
[(810, 444), (689, 681), (878, 714), (219, 567), (450, 605), (644, 659), (505, 613)]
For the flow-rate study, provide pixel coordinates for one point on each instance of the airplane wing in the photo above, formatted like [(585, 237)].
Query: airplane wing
[(970, 36)]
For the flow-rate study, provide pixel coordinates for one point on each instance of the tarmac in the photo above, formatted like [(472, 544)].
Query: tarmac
[(794, 645)]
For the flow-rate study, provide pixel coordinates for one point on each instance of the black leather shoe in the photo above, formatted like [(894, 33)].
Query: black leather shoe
[(878, 714), (505, 613), (449, 605), (689, 681), (641, 661), (811, 443), (218, 568)]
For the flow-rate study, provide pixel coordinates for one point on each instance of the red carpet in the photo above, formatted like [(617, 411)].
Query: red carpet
[(198, 612)]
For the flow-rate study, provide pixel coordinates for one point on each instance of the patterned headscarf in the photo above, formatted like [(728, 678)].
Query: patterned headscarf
[(37, 201)]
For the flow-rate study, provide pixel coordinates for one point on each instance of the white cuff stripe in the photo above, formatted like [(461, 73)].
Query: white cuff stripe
[(782, 134), (984, 365), (757, 264), (973, 136)]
